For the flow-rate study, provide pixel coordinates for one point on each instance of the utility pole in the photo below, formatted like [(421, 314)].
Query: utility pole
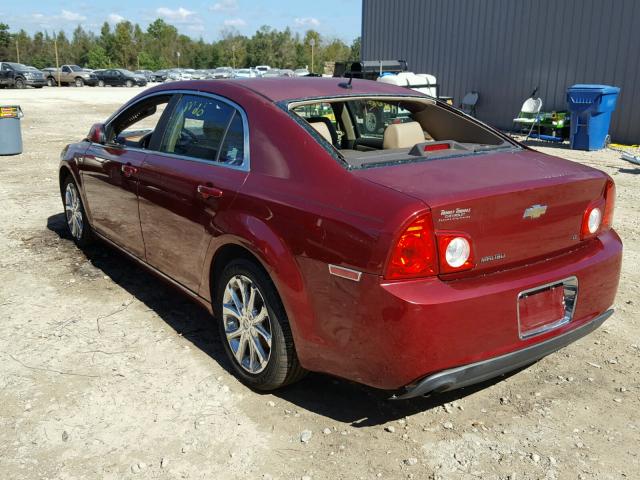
[(233, 53), (55, 47), (312, 42), (17, 51), (178, 54)]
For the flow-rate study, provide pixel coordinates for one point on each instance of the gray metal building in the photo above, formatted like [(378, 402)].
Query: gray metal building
[(505, 48)]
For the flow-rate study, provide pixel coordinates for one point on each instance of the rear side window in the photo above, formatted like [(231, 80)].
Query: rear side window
[(197, 128), (232, 151)]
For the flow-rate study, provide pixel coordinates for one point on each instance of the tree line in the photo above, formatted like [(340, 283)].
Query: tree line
[(160, 46)]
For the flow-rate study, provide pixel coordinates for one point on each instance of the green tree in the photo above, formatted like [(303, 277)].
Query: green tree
[(5, 40), (355, 50), (97, 58)]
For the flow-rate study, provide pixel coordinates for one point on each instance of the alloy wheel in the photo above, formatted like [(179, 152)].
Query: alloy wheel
[(73, 211), (247, 325)]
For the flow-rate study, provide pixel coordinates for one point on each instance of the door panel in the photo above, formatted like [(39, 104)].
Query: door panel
[(110, 180), (178, 218)]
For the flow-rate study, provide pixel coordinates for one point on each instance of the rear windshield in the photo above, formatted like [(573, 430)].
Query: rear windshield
[(375, 131)]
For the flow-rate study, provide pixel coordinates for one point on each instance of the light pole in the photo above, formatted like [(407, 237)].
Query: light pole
[(178, 55), (312, 42)]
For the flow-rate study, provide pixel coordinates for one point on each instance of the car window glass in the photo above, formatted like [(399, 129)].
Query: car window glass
[(196, 127), (134, 126), (232, 150)]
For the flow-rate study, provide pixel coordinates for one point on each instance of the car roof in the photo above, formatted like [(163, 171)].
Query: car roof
[(278, 89)]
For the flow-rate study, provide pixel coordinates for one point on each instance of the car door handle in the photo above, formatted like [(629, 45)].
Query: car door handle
[(129, 170), (207, 192)]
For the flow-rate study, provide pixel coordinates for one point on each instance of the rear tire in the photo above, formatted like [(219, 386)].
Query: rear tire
[(269, 339), (76, 218), (101, 83)]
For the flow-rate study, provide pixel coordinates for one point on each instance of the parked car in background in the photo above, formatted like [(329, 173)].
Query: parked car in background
[(119, 77), (70, 75), (301, 72), (159, 76), (245, 73), (147, 74), (223, 72), (262, 69), (435, 254), (179, 74), (18, 75), (286, 72), (271, 73)]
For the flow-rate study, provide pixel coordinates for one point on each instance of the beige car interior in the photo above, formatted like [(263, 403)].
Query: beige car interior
[(323, 130), (402, 135), (409, 126)]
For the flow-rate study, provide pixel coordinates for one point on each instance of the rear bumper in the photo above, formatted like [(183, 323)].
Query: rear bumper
[(486, 369), (392, 334)]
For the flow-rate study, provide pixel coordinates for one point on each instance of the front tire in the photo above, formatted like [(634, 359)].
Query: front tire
[(79, 82), (77, 223), (20, 83), (129, 83), (254, 328), (51, 82)]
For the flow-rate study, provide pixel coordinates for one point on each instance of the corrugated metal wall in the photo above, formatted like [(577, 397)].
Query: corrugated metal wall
[(505, 48)]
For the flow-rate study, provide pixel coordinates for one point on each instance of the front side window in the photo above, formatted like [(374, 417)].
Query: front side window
[(135, 126), (205, 128)]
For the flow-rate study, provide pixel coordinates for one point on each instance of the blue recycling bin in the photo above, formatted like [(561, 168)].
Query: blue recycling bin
[(591, 107)]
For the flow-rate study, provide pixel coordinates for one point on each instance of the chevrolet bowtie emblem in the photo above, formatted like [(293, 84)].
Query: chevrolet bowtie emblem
[(535, 211)]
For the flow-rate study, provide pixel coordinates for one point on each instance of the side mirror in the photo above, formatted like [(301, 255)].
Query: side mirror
[(97, 134)]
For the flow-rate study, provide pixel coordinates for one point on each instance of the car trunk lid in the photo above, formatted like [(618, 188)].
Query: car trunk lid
[(517, 206)]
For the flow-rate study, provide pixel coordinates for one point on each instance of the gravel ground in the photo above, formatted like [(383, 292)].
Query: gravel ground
[(105, 372)]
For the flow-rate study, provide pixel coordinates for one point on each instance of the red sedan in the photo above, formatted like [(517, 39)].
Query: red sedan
[(426, 254)]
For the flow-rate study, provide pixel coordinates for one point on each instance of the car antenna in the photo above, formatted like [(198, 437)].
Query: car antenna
[(347, 85)]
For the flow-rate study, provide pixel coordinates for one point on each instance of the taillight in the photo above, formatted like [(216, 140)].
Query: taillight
[(456, 252), (598, 216), (610, 200), (414, 253)]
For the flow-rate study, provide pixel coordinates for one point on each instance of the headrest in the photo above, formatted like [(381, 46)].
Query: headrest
[(323, 130), (402, 135)]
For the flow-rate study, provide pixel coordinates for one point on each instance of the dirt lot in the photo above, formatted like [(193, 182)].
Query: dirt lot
[(107, 373)]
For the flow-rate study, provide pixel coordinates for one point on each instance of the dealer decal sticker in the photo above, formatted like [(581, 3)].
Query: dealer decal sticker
[(454, 214)]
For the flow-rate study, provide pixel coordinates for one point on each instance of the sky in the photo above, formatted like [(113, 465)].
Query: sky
[(196, 18)]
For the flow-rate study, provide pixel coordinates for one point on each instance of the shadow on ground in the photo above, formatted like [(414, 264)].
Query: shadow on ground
[(331, 397)]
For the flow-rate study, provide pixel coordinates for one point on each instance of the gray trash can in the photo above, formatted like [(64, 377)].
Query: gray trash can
[(10, 133)]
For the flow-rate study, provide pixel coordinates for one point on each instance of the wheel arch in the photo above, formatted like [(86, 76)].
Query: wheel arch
[(253, 239)]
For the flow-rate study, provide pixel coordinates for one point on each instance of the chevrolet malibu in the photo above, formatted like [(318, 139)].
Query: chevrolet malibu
[(429, 254)]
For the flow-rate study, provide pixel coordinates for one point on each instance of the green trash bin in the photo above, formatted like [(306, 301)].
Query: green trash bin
[(10, 132)]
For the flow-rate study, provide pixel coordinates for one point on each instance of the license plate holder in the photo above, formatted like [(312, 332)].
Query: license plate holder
[(546, 307)]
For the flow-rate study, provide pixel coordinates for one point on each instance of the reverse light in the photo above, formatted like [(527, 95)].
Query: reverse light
[(414, 253), (594, 219), (455, 250)]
